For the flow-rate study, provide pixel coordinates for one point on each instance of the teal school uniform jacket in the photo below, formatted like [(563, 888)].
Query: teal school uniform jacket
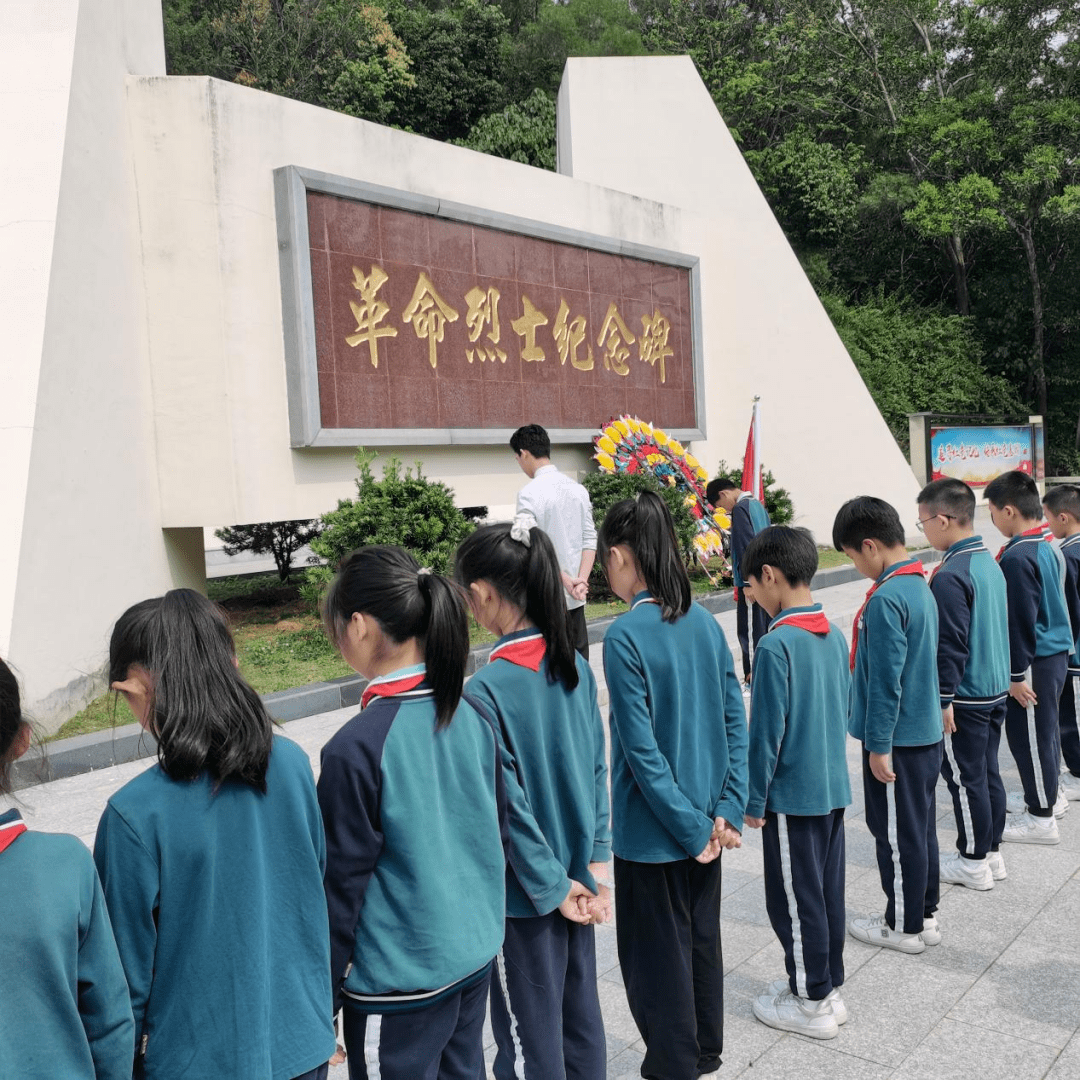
[(894, 687), (798, 717), (551, 741), (64, 1007), (217, 903), (416, 863), (678, 733), (973, 626)]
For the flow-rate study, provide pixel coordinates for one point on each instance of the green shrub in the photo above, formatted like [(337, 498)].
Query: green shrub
[(403, 508), (777, 499), (606, 489)]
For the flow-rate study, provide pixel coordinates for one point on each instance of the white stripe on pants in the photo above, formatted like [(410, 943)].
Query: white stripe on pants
[(898, 870), (1033, 750), (965, 802), (797, 950), (519, 1054), (372, 1039)]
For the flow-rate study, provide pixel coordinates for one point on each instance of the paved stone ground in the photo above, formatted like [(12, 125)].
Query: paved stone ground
[(999, 999)]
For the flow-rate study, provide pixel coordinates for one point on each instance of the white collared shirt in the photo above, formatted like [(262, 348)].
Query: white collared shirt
[(562, 509)]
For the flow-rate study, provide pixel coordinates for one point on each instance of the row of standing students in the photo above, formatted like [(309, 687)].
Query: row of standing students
[(455, 846)]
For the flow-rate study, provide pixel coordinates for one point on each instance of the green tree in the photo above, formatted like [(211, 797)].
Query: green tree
[(524, 132), (281, 539)]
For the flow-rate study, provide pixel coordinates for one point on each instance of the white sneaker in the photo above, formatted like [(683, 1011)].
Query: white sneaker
[(786, 1012), (874, 930), (931, 932), (1015, 803), (1026, 829), (971, 873), (1069, 785), (996, 861), (839, 1009)]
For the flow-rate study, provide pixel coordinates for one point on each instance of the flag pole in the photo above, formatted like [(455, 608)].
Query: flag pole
[(759, 493)]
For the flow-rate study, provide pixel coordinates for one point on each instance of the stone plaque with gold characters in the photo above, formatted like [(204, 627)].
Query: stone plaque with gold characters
[(407, 321)]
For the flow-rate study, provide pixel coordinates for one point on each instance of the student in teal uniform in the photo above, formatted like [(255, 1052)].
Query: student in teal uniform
[(413, 803), (63, 997), (799, 785), (211, 863), (895, 714), (678, 789), (545, 1007)]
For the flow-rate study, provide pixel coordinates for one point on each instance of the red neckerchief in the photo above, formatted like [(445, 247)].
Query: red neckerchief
[(10, 831), (814, 621), (906, 568), (1037, 530), (526, 652), (389, 689)]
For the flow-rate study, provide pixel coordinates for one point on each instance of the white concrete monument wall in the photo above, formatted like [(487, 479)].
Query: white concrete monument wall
[(139, 259)]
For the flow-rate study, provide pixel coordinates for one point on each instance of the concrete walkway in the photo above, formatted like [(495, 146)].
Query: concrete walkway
[(999, 999)]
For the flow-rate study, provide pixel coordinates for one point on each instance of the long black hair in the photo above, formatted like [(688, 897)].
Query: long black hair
[(644, 525), (528, 576), (11, 723), (387, 583), (203, 713)]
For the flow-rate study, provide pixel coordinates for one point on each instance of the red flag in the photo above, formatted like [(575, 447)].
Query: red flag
[(753, 476)]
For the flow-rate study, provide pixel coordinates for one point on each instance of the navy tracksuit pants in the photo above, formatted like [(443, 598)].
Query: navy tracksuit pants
[(1069, 722), (545, 1009), (901, 817), (804, 896), (1034, 735), (969, 766), (745, 615), (442, 1041), (667, 925)]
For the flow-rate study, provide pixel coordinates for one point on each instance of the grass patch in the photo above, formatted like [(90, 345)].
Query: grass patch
[(829, 557)]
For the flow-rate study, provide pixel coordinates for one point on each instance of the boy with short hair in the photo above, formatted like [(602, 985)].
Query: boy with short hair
[(896, 715), (798, 781), (973, 678), (1062, 506), (1040, 642), (748, 518)]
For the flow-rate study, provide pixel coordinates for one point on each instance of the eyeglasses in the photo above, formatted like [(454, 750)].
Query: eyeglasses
[(921, 523)]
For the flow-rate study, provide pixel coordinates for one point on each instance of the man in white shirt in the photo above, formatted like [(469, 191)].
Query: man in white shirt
[(562, 509)]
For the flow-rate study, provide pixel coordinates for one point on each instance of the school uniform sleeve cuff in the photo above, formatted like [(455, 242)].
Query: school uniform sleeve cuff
[(732, 813), (755, 809), (947, 700), (1018, 678), (549, 900), (873, 747), (699, 841), (601, 851)]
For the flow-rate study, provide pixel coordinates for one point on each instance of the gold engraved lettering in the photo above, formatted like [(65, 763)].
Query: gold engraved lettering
[(526, 327), (569, 337), (653, 345), (618, 338), (429, 313), (370, 312), (483, 311)]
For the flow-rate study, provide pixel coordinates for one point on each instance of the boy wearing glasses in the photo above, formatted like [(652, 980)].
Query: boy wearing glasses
[(973, 679)]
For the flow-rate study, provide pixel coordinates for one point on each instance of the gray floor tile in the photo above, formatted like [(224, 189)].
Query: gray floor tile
[(810, 1059), (1067, 1065), (894, 1001), (1024, 994), (955, 1051)]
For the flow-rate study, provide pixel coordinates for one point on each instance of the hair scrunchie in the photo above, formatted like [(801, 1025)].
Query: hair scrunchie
[(520, 529)]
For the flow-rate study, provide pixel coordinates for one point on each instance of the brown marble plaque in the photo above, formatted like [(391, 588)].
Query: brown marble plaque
[(423, 322)]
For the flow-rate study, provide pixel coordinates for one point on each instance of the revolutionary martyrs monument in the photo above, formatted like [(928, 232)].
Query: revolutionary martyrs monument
[(211, 295)]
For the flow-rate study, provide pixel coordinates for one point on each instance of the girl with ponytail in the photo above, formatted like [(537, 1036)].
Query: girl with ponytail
[(211, 862), (413, 806), (545, 1009), (679, 789)]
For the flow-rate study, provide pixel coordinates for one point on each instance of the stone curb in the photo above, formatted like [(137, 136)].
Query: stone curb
[(101, 749)]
